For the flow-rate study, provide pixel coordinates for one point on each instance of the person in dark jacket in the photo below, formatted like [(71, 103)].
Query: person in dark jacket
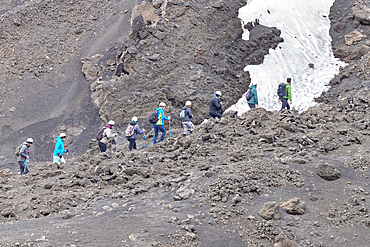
[(186, 121), (288, 95), (215, 106), (137, 130), (253, 102), (24, 156)]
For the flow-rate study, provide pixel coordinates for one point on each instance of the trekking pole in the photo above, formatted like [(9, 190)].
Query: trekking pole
[(25, 164), (169, 126), (145, 142), (67, 157)]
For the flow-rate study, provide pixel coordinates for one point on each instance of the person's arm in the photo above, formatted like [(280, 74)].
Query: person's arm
[(138, 130), (255, 96), (163, 117), (290, 93), (218, 104), (189, 113), (22, 151)]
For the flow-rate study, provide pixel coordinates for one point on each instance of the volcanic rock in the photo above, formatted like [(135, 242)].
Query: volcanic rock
[(327, 171), (269, 211), (294, 206), (354, 37)]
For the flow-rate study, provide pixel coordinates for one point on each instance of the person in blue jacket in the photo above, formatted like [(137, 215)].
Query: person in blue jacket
[(137, 130), (59, 149), (253, 102), (158, 126)]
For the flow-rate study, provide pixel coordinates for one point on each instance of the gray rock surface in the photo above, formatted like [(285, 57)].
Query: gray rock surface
[(327, 171)]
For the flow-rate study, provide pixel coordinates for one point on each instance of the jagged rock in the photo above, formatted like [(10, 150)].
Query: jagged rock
[(157, 3), (236, 199), (354, 37), (269, 211), (154, 57), (146, 10), (8, 212), (361, 13), (183, 193), (282, 240), (294, 206), (200, 56), (90, 67), (327, 171), (160, 35)]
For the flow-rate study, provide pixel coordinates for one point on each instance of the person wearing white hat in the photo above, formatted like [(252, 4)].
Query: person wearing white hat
[(131, 132), (158, 126), (186, 118), (59, 149), (215, 106), (106, 135), (24, 154)]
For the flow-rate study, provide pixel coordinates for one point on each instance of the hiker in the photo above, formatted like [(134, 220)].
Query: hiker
[(215, 105), (131, 132), (158, 126), (286, 95), (106, 135), (186, 118), (24, 154), (59, 149), (253, 101)]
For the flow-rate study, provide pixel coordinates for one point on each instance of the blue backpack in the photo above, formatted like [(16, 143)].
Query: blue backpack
[(249, 95)]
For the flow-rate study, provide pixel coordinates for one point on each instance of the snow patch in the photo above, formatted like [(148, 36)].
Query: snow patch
[(305, 28)]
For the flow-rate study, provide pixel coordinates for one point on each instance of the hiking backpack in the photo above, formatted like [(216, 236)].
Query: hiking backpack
[(17, 150), (153, 117), (183, 114), (281, 90), (130, 130), (249, 95), (100, 136)]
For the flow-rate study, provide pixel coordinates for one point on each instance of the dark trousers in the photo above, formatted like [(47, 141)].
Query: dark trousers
[(24, 167), (252, 105), (161, 129), (132, 144), (102, 146), (284, 104), (213, 114)]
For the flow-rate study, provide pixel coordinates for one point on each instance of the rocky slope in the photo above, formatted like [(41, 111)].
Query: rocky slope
[(263, 179)]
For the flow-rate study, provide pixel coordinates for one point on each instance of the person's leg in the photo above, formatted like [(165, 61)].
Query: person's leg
[(21, 166), (163, 130), (56, 159), (287, 105), (130, 145), (155, 134), (283, 103), (26, 169), (134, 146), (191, 126), (252, 105), (184, 124), (103, 147)]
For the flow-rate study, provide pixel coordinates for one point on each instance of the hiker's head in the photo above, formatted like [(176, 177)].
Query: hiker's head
[(162, 105), (255, 85), (188, 103), (289, 80), (218, 94), (29, 141), (111, 124), (134, 120), (63, 136)]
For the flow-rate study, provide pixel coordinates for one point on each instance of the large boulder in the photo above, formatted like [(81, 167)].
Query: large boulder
[(354, 37), (362, 13), (327, 171), (269, 211), (294, 206)]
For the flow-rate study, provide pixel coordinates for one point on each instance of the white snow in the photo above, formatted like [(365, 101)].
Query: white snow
[(305, 28)]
